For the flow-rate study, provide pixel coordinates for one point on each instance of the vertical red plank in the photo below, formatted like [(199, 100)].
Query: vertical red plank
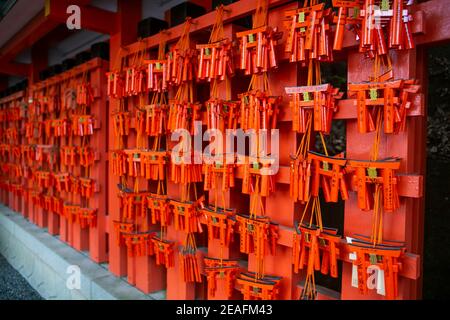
[(53, 223), (215, 249), (396, 225), (279, 205), (416, 224), (99, 110), (63, 229), (24, 205), (177, 289), (128, 13), (41, 218), (79, 236), (143, 271), (17, 203)]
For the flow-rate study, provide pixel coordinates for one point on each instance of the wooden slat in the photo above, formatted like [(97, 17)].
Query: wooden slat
[(411, 262), (72, 73), (15, 96), (233, 12), (347, 108), (410, 185)]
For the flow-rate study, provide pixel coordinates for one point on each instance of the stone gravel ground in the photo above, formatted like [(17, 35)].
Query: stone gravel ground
[(13, 286)]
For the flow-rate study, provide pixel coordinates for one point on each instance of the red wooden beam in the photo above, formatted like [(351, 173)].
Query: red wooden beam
[(72, 73), (411, 262), (436, 20), (424, 29), (37, 28), (31, 33), (409, 185), (15, 96), (233, 11), (92, 18), (14, 68), (347, 108)]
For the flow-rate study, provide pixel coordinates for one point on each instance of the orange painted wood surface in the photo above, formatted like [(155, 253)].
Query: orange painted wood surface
[(403, 225)]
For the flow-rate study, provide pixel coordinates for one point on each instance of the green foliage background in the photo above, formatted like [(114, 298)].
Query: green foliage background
[(439, 103), (436, 259)]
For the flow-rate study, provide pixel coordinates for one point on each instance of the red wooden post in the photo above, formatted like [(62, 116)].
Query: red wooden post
[(396, 225), (99, 143), (214, 246), (127, 14), (176, 289), (279, 205), (53, 223), (39, 63), (143, 271), (78, 237)]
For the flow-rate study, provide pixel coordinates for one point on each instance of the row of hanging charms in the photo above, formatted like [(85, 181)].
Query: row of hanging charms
[(382, 100), (258, 112), (216, 66), (307, 99), (375, 179), (312, 109), (86, 215), (177, 67), (379, 25), (183, 112), (13, 170), (53, 105), (12, 173), (150, 163), (131, 229), (309, 33)]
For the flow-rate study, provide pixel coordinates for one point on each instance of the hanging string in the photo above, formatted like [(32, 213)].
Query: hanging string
[(185, 90), (184, 42), (377, 220), (382, 69), (217, 32), (118, 61)]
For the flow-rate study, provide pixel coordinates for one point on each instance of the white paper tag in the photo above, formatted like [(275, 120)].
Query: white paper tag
[(349, 239), (354, 276), (380, 283), (352, 256)]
